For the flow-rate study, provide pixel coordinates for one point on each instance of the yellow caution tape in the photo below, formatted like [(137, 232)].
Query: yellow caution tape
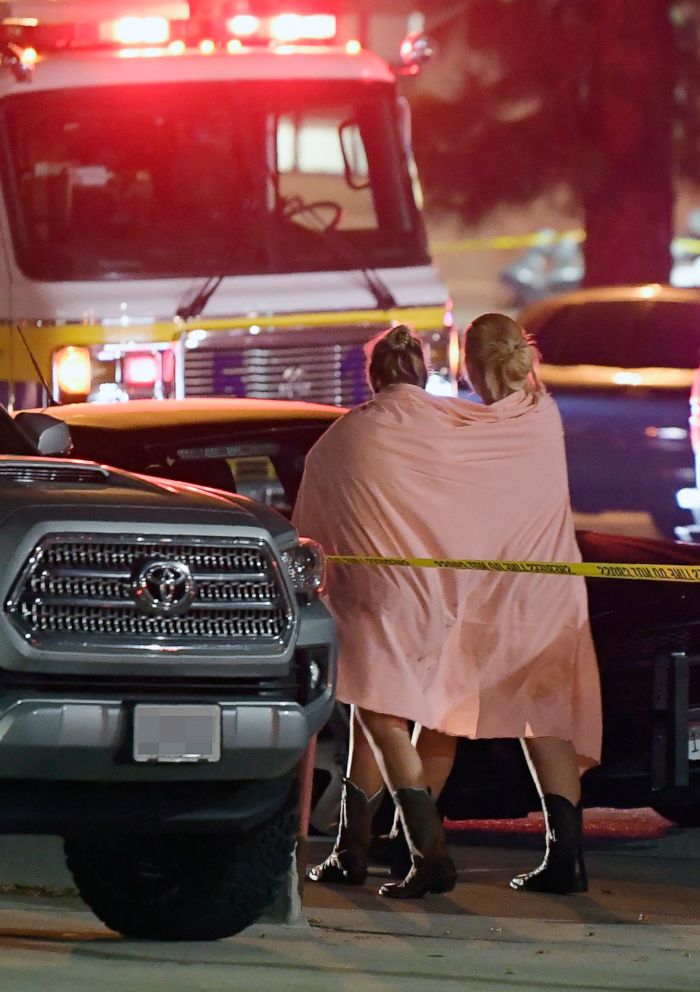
[(689, 245), (593, 570), (507, 241), (536, 239)]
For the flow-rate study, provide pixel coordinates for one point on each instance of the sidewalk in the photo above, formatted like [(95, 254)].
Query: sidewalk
[(636, 930), (632, 881)]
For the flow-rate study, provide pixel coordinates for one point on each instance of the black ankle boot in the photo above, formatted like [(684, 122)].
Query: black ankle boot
[(347, 862), (432, 868), (392, 850), (563, 870)]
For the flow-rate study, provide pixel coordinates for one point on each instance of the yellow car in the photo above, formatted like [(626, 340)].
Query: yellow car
[(252, 447), (619, 361)]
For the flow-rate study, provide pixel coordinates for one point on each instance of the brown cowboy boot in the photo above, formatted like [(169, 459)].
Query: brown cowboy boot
[(563, 870), (432, 868), (347, 862)]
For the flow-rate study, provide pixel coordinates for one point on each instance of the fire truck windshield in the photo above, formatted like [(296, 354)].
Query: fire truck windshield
[(208, 178)]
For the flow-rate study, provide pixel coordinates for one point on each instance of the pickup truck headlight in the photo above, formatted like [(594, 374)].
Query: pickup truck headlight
[(306, 564)]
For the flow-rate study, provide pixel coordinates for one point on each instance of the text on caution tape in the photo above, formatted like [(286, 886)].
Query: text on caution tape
[(594, 570)]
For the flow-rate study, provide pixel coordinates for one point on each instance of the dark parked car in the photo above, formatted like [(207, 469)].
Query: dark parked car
[(647, 633), (619, 362)]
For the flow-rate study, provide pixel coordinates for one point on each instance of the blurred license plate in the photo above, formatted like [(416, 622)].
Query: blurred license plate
[(694, 741), (178, 733)]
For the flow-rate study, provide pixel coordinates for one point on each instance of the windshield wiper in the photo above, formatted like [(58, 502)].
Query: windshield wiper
[(200, 299), (382, 294)]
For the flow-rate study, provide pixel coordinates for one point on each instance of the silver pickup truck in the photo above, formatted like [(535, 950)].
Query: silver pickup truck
[(164, 661)]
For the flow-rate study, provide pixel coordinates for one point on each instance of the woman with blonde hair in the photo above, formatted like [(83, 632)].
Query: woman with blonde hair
[(473, 653), (500, 359)]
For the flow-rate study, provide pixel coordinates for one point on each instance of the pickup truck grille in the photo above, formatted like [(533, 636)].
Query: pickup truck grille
[(89, 588)]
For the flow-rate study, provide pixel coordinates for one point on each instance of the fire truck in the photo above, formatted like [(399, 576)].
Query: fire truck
[(203, 200)]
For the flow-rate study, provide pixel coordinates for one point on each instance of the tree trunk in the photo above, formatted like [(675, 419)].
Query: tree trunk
[(628, 178)]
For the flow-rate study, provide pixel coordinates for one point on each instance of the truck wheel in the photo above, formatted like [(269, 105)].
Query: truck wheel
[(196, 887)]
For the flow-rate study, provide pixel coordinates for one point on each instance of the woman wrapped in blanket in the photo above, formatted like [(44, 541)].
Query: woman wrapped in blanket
[(479, 654)]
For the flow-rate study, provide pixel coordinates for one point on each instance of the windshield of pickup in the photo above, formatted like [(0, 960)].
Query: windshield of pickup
[(209, 178)]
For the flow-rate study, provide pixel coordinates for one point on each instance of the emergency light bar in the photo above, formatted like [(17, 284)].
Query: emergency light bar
[(54, 25), (89, 11)]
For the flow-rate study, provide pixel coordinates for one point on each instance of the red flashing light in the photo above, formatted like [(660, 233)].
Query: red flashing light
[(169, 30), (306, 27), (244, 25), (167, 358), (29, 56), (319, 27), (141, 31), (141, 368)]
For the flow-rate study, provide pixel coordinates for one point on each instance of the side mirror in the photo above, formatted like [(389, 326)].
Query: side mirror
[(49, 435), (416, 50), (354, 158)]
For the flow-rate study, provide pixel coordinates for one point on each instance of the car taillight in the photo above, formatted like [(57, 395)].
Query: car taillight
[(72, 371)]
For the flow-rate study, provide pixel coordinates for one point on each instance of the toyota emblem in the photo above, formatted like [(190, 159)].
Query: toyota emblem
[(164, 588)]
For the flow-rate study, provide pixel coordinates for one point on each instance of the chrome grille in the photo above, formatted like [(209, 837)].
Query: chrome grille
[(92, 589), (326, 366)]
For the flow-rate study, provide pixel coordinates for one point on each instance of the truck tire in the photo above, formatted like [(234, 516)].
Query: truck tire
[(176, 887)]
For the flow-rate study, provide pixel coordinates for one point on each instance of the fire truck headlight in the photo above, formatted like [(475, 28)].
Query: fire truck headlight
[(72, 372)]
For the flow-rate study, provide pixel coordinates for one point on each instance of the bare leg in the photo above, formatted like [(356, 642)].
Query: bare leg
[(437, 753), (432, 869), (395, 755), (363, 769), (554, 767)]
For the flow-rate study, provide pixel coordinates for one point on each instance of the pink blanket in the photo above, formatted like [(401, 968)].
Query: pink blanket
[(474, 654)]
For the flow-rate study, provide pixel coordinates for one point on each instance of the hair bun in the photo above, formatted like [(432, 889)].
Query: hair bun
[(399, 337), (396, 356)]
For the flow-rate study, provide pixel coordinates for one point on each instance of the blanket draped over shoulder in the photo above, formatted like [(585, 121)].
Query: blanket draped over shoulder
[(474, 654)]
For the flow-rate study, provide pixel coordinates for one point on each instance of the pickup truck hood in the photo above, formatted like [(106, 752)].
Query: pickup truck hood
[(69, 485)]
